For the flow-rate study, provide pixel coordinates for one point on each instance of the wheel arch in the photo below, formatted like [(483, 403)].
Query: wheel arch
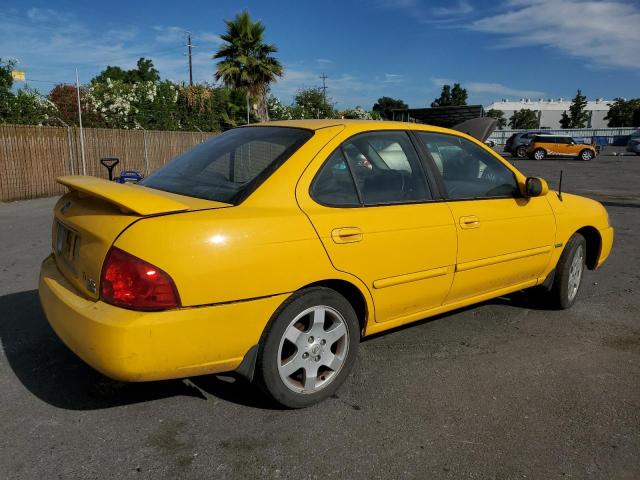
[(594, 245), (353, 295)]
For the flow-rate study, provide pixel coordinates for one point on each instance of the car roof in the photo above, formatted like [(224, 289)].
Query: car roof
[(313, 124), (357, 125), (553, 135)]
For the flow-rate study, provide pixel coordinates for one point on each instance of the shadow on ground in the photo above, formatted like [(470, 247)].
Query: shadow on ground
[(49, 370)]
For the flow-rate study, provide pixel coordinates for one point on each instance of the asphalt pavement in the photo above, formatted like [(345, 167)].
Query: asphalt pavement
[(504, 390)]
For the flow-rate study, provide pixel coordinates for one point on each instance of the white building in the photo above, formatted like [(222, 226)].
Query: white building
[(550, 111)]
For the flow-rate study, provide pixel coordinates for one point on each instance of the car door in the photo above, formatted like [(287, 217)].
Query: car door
[(571, 147), (504, 239), (372, 207)]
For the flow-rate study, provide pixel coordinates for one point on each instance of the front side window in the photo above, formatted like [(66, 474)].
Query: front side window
[(379, 168), (229, 166), (467, 170)]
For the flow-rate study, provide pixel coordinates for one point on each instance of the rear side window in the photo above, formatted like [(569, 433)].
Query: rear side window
[(379, 167), (228, 167), (334, 183), (468, 171)]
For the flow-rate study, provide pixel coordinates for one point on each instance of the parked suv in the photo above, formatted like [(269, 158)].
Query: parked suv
[(559, 146), (518, 142)]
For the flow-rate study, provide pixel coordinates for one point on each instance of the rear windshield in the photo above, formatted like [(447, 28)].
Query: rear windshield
[(228, 167)]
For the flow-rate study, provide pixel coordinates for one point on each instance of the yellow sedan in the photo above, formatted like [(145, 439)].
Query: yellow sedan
[(272, 249)]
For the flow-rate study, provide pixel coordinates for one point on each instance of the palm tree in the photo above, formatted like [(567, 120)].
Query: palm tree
[(247, 63)]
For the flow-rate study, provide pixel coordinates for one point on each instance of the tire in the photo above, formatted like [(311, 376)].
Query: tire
[(326, 351), (569, 273), (521, 152), (539, 154), (586, 155)]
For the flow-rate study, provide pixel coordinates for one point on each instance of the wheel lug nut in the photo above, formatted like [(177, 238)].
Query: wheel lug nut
[(323, 341), (317, 359), (310, 339)]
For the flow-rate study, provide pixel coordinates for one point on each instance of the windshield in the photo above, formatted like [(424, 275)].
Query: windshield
[(228, 167)]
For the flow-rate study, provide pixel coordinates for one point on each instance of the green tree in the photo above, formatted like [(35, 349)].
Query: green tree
[(445, 97), (6, 82), (499, 116), (635, 118), (524, 119), (144, 72), (624, 113), (29, 107), (565, 120), (311, 103), (385, 106), (577, 111), (26, 106), (458, 95), (247, 62), (455, 96)]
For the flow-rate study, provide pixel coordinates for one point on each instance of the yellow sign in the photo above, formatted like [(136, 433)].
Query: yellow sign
[(18, 75)]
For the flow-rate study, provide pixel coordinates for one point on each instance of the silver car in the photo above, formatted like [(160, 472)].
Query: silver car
[(634, 143)]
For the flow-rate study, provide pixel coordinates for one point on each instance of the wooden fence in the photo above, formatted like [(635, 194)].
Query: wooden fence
[(32, 157)]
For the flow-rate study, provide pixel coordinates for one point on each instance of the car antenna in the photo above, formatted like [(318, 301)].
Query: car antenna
[(560, 187)]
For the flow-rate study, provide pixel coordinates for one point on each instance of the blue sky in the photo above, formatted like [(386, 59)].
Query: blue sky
[(368, 48)]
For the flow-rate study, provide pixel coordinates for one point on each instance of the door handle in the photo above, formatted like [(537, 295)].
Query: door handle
[(346, 235), (469, 221)]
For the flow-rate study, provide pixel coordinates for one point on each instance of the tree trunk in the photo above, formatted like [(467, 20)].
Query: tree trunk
[(260, 96)]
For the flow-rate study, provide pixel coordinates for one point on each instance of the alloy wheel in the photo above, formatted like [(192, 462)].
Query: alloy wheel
[(313, 349), (575, 273)]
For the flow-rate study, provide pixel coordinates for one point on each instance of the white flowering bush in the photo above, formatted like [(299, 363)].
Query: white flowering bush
[(358, 113), (29, 107), (277, 110), (121, 103)]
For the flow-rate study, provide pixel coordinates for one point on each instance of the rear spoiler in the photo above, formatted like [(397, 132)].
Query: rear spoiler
[(479, 128), (129, 197)]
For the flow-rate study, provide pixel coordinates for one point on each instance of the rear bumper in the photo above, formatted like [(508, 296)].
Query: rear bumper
[(607, 243), (139, 346)]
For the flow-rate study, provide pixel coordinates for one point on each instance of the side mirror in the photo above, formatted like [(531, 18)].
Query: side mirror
[(535, 187)]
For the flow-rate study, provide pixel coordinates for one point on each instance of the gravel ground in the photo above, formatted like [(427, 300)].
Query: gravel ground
[(503, 390)]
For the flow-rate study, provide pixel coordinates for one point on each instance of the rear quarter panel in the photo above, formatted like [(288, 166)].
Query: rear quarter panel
[(264, 246)]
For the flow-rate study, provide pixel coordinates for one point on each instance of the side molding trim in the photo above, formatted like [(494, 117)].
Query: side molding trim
[(411, 277), (461, 267)]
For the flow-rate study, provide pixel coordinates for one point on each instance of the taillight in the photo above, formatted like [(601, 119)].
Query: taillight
[(130, 282)]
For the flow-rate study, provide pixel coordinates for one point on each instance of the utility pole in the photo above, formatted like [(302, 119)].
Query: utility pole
[(189, 45), (324, 87), (84, 163)]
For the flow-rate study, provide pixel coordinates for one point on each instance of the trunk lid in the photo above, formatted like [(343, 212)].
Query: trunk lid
[(89, 218)]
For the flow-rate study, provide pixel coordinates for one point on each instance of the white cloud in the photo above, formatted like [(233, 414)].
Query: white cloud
[(460, 8), (499, 89), (438, 82), (484, 88), (600, 32), (428, 13), (51, 44), (345, 90), (393, 78)]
